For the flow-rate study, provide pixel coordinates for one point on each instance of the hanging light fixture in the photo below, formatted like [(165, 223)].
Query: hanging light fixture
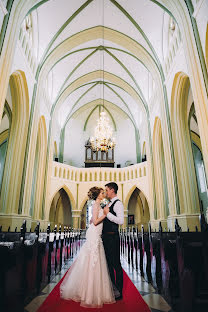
[(103, 135), (103, 140)]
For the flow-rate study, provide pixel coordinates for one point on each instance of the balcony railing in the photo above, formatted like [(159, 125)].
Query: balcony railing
[(70, 173)]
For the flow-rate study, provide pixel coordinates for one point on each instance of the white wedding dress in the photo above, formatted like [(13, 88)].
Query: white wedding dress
[(88, 280)]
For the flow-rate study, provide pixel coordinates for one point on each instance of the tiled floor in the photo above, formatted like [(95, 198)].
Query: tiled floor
[(36, 302), (154, 300)]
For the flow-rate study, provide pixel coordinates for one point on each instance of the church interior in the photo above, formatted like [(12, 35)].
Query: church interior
[(95, 91)]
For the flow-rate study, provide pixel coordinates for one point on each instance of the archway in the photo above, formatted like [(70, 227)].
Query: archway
[(3, 148), (180, 98), (61, 210), (5, 127), (10, 190), (198, 161), (138, 210)]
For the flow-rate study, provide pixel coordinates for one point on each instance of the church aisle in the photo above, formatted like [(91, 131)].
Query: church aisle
[(155, 302)]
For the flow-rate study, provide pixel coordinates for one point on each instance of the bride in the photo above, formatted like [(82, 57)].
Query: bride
[(88, 280)]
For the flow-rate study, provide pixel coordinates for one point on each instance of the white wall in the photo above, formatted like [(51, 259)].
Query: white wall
[(201, 16), (75, 138)]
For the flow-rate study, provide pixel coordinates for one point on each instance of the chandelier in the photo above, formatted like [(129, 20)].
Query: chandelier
[(102, 140)]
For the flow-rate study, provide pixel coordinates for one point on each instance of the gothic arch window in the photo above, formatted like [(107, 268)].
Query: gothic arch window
[(3, 148)]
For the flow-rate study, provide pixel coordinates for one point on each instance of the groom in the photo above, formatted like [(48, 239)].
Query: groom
[(110, 236)]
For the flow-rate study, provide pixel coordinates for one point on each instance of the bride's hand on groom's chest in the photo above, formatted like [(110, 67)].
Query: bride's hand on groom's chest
[(106, 210)]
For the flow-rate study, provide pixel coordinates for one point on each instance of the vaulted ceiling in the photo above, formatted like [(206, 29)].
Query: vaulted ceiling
[(117, 48)]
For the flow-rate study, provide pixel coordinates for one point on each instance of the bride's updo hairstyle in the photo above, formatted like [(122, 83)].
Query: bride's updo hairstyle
[(94, 192)]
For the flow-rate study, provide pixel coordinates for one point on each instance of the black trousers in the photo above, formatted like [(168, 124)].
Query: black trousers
[(111, 244)]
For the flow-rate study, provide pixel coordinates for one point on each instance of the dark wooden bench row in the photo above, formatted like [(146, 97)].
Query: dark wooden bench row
[(175, 263), (28, 262)]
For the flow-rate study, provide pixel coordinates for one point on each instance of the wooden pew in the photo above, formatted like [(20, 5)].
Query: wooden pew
[(155, 252), (146, 256), (42, 259), (28, 261), (11, 275), (192, 254), (176, 263)]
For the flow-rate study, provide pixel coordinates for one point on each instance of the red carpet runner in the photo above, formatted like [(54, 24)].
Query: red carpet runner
[(132, 301)]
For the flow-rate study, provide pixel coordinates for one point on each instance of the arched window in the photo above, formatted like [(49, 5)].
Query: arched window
[(201, 177), (3, 148)]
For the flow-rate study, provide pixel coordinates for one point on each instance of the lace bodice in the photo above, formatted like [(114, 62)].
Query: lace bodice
[(96, 229), (93, 237)]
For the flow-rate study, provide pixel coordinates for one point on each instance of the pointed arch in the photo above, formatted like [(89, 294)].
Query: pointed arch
[(98, 107), (83, 203), (130, 192), (139, 208), (70, 195), (188, 194), (126, 200), (60, 212), (4, 136), (89, 78), (10, 190)]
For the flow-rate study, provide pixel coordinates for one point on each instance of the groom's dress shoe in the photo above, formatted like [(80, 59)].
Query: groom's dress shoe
[(116, 292), (119, 297)]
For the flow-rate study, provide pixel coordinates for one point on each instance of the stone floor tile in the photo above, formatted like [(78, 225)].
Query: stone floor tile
[(35, 303), (156, 301)]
